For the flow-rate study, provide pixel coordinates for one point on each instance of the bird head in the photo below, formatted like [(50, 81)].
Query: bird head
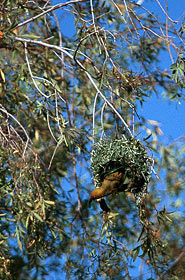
[(95, 194)]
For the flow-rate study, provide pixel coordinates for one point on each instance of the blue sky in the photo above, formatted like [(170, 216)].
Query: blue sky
[(171, 115)]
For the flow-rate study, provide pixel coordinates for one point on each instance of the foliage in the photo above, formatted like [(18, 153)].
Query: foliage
[(177, 69), (128, 154), (59, 93)]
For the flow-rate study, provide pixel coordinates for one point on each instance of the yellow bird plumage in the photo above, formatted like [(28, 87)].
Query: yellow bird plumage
[(112, 183)]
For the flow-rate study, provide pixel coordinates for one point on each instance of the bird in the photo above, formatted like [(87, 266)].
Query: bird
[(112, 183)]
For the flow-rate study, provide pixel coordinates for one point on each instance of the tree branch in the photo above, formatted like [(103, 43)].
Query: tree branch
[(171, 268), (58, 6)]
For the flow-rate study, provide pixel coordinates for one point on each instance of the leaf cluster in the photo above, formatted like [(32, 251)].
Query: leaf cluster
[(53, 86), (127, 154)]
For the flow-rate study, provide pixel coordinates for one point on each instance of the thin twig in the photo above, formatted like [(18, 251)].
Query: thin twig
[(92, 13), (61, 45), (109, 103), (58, 6), (31, 74), (58, 144), (131, 18), (168, 45), (122, 16), (175, 263), (51, 132), (77, 185), (86, 72), (174, 21), (94, 111), (102, 110), (25, 132)]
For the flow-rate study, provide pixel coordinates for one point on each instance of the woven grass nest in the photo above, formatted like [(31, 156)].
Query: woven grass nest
[(128, 154)]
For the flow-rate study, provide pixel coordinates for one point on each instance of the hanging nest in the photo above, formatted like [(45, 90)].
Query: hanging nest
[(126, 154)]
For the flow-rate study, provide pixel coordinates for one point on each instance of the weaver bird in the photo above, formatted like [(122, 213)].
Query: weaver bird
[(112, 183)]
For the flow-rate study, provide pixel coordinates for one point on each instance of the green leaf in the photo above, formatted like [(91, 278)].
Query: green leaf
[(37, 216), (49, 202)]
